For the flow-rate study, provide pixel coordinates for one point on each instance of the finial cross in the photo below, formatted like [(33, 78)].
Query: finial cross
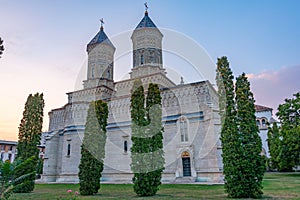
[(146, 6), (102, 21)]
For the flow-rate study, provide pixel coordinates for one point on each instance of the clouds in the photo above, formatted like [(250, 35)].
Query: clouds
[(271, 87)]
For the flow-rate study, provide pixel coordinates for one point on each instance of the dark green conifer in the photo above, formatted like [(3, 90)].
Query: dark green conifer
[(29, 137), (231, 147), (30, 128), (274, 144), (251, 164), (147, 135), (93, 148)]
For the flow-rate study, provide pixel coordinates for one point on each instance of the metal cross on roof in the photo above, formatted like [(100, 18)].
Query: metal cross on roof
[(146, 6), (102, 21)]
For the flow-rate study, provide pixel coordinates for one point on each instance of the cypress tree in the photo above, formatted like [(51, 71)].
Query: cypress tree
[(155, 137), (30, 131), (251, 164), (147, 139), (274, 144), (231, 147), (139, 148), (93, 148), (30, 128)]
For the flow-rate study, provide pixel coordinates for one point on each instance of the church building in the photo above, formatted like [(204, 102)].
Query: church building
[(192, 148)]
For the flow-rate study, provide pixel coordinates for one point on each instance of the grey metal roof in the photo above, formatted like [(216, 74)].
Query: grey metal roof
[(146, 22), (101, 37)]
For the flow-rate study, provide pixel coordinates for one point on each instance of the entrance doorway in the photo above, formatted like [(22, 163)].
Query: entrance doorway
[(186, 164)]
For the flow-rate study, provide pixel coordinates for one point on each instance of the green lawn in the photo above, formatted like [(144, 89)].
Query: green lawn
[(276, 186)]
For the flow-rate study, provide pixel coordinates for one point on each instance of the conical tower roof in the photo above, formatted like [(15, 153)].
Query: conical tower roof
[(100, 38), (146, 22)]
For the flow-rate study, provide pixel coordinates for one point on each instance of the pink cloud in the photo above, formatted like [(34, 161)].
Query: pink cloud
[(270, 88)]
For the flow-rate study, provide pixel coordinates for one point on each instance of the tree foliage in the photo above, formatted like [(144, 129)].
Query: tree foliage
[(274, 144), (243, 166), (1, 47), (229, 135), (289, 115), (30, 128), (5, 178), (251, 163), (24, 175), (147, 137), (93, 148), (16, 177)]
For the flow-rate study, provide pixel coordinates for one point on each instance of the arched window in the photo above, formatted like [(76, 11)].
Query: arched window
[(125, 146), (264, 122), (108, 74), (258, 122), (183, 130), (69, 150), (142, 59)]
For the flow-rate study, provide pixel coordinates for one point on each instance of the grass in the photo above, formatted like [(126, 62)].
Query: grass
[(276, 186)]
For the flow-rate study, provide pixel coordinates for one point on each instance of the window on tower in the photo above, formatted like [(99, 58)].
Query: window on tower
[(125, 146), (69, 150), (142, 59), (183, 129)]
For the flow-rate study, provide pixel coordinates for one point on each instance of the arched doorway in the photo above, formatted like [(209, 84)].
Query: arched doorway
[(186, 163)]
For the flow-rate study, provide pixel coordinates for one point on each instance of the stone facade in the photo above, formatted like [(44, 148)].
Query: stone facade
[(8, 150), (264, 117), (191, 122)]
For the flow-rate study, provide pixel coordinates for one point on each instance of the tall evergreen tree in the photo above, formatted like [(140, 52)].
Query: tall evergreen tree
[(1, 47), (139, 140), (30, 128), (30, 131), (251, 164), (93, 148), (155, 137), (147, 135), (289, 115), (274, 144), (229, 135)]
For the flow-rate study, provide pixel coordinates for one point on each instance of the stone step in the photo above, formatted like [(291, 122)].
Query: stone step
[(186, 179)]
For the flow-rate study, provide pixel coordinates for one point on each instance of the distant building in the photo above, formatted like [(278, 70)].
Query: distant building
[(263, 118), (8, 150)]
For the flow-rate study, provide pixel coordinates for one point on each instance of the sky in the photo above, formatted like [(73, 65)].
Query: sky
[(45, 45)]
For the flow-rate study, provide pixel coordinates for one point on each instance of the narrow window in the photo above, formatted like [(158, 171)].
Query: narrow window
[(183, 130), (69, 150), (263, 122), (11, 148), (258, 122), (108, 74), (9, 157), (142, 59), (125, 146), (93, 72)]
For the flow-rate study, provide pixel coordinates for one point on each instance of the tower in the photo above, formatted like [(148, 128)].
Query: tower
[(147, 48), (100, 52)]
